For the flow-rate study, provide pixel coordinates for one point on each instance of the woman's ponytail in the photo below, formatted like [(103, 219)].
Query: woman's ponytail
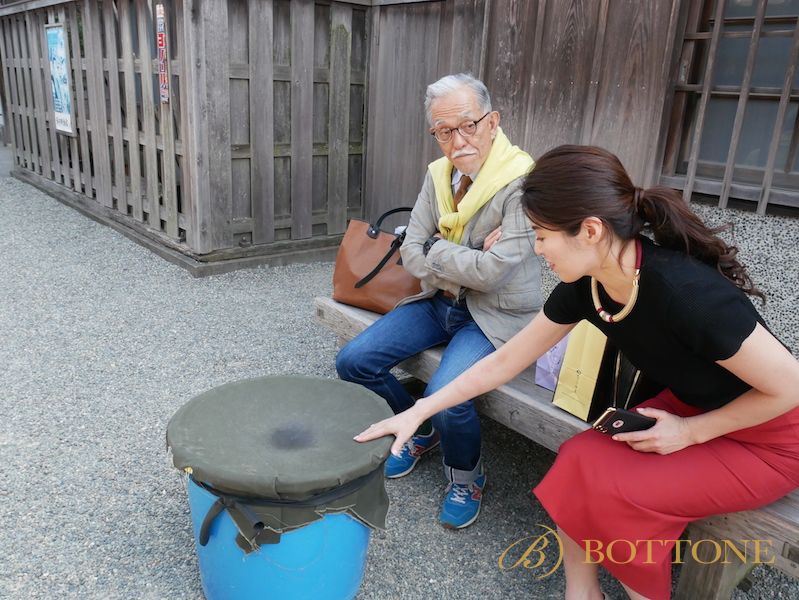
[(674, 225)]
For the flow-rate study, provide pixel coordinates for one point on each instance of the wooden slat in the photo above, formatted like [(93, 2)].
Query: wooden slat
[(704, 98), (561, 72), (596, 67), (742, 100), (9, 116), (302, 38), (115, 106), (38, 94), (146, 32), (39, 20), (262, 164), (63, 144), (126, 20), (185, 164), (21, 99), (339, 132), (71, 141), (777, 131), (169, 184), (97, 114), (373, 134), (30, 103), (77, 64)]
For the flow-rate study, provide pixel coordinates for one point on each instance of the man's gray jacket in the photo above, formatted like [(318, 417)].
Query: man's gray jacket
[(502, 287)]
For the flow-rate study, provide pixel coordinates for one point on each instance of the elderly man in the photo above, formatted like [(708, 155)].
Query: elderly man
[(469, 243)]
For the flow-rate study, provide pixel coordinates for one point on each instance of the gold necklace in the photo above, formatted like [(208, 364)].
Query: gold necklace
[(627, 309)]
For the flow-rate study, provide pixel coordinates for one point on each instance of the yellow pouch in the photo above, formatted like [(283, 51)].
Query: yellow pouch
[(585, 379)]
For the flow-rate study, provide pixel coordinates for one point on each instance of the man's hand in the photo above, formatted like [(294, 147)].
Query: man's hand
[(492, 238), (670, 434)]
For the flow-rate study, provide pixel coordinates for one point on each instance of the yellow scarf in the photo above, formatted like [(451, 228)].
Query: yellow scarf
[(504, 164)]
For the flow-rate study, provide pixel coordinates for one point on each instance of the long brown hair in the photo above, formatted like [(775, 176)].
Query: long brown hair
[(572, 183)]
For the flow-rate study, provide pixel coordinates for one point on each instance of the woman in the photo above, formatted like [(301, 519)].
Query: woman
[(727, 419)]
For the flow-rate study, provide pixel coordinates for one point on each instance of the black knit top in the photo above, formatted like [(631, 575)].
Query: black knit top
[(687, 316)]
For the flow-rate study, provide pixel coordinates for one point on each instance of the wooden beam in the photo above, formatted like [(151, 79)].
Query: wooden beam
[(126, 21), (262, 120), (146, 33), (339, 123), (97, 115), (742, 100), (109, 21), (704, 99), (302, 55)]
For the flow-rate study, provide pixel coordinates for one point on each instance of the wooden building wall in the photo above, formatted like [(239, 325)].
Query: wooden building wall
[(559, 71)]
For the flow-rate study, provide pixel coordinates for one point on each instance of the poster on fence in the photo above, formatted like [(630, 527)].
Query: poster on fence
[(163, 58), (58, 59)]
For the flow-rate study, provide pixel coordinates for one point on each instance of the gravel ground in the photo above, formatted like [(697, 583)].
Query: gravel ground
[(103, 341)]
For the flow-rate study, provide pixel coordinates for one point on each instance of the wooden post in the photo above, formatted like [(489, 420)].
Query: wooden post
[(146, 35), (208, 135), (169, 184), (703, 576), (112, 67), (97, 116), (339, 132), (262, 137), (126, 21), (78, 66), (39, 89), (302, 41)]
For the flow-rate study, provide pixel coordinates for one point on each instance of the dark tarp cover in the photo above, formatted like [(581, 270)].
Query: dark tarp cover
[(279, 452)]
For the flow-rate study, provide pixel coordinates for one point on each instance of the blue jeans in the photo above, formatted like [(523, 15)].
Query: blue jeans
[(405, 332)]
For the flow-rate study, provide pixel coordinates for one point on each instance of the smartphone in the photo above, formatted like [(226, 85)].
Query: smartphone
[(618, 420)]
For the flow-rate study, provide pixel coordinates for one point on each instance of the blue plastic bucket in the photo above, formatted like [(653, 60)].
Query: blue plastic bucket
[(321, 561)]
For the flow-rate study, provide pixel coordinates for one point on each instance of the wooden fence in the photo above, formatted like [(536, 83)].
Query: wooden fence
[(263, 146), (259, 148)]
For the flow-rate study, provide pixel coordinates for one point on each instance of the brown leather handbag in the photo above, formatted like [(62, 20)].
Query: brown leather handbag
[(369, 272)]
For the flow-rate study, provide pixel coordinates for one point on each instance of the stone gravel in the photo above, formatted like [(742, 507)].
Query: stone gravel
[(102, 341)]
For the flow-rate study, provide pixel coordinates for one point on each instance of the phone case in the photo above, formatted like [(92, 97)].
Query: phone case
[(617, 420)]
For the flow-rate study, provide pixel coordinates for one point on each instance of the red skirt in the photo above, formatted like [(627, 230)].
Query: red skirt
[(599, 490)]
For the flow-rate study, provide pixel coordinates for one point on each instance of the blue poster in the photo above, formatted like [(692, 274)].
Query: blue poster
[(59, 77)]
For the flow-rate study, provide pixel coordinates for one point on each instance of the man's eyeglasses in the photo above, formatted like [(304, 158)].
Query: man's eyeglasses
[(466, 129)]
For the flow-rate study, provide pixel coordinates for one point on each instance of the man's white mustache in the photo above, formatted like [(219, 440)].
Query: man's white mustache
[(459, 153)]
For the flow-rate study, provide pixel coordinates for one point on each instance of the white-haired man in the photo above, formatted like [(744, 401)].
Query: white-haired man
[(469, 243)]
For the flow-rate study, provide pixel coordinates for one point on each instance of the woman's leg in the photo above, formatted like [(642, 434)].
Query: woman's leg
[(582, 580)]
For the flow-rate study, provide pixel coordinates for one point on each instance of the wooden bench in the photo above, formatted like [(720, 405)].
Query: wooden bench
[(526, 408)]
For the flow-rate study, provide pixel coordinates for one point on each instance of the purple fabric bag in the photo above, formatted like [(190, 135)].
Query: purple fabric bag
[(547, 368)]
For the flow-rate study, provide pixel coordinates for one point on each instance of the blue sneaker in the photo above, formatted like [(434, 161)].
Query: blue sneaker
[(462, 503), (412, 451)]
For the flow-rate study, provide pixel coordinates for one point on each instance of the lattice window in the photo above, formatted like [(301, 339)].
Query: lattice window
[(734, 128)]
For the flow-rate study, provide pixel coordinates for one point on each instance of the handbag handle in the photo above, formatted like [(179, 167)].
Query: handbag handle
[(374, 230)]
